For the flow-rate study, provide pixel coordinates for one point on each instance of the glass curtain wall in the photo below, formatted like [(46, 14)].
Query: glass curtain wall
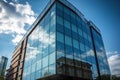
[(75, 55), (61, 44), (101, 56), (3, 64), (40, 53)]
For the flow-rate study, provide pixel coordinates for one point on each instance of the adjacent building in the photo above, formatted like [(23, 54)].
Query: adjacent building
[(3, 64), (16, 67), (61, 45)]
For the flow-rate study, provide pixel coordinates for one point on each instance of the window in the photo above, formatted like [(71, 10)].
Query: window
[(66, 11), (89, 38), (72, 15), (66, 17), (68, 32), (67, 24), (52, 58), (69, 50), (81, 39), (52, 24), (32, 76), (60, 54), (38, 65), (68, 40), (60, 46), (75, 35), (85, 35), (82, 48), (80, 32), (46, 28), (60, 37), (73, 18), (45, 61), (38, 74), (76, 53), (51, 42), (75, 44), (59, 9), (86, 42), (52, 69), (47, 18), (60, 6), (52, 47), (60, 28), (59, 20), (74, 28), (79, 21), (45, 50), (45, 72)]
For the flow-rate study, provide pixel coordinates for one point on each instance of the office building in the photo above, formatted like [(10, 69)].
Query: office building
[(61, 45), (3, 64)]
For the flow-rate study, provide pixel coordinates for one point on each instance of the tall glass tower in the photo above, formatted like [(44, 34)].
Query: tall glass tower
[(3, 64), (63, 45)]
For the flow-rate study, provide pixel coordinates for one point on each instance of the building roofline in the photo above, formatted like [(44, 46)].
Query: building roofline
[(3, 57), (91, 24)]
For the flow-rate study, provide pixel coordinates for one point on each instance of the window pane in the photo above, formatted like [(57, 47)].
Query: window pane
[(67, 32), (60, 54), (66, 10), (32, 76), (74, 28), (52, 24), (67, 24), (45, 61), (38, 65), (45, 72), (80, 32), (68, 40), (38, 74), (69, 50), (52, 69), (82, 48), (59, 20), (60, 28), (76, 53), (45, 50), (60, 37), (85, 35), (52, 58), (75, 44), (60, 46), (59, 6), (75, 35)]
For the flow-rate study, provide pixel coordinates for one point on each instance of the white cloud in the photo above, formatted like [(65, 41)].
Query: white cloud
[(40, 35), (14, 17), (114, 62), (32, 54), (42, 32), (17, 39), (15, 1)]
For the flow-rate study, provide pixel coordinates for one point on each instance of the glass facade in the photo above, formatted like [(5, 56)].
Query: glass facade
[(3, 64), (40, 53), (74, 49), (101, 56), (62, 44)]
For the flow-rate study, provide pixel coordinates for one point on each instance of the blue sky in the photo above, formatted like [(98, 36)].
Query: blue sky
[(16, 16)]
